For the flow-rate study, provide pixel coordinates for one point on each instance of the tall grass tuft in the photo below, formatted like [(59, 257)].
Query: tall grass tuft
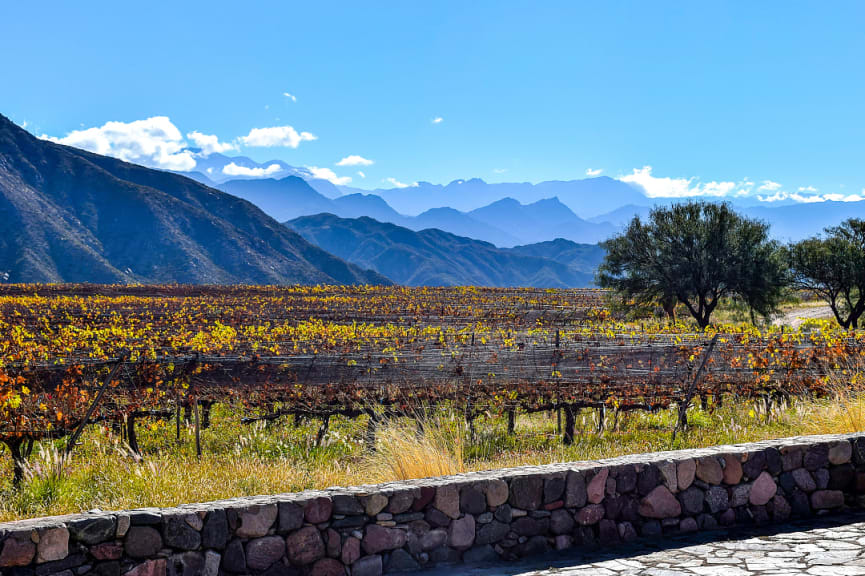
[(845, 411), (435, 447)]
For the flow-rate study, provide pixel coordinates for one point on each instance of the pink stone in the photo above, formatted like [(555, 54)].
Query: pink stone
[(379, 539), (732, 469), (17, 552), (350, 551), (107, 551), (328, 567), (823, 499), (660, 503), (685, 473), (590, 514), (763, 489), (53, 545), (149, 568), (318, 510), (305, 546), (709, 470), (597, 486)]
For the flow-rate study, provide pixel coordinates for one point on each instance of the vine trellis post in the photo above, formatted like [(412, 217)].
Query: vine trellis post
[(106, 384), (682, 420)]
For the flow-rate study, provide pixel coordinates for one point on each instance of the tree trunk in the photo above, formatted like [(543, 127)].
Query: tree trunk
[(570, 421)]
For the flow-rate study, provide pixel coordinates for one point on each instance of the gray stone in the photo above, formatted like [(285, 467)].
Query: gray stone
[(234, 559), (554, 488), (626, 479), (840, 452), (256, 521), (804, 481), (447, 500), (400, 501), (261, 553), (214, 533), (480, 554), (647, 480), (692, 500), (669, 475), (717, 499), (740, 495), (374, 503), (461, 533), (211, 563), (472, 500), (401, 561), (346, 505), (177, 533), (367, 566), (825, 499), (305, 546), (526, 492), (433, 539), (491, 533), (496, 492), (561, 522), (503, 514), (142, 542), (93, 530), (575, 490), (816, 457)]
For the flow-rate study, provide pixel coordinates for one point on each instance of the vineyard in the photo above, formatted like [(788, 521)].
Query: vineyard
[(78, 355)]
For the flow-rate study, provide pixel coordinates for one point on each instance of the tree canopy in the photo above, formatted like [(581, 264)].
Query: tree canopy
[(696, 253), (833, 267)]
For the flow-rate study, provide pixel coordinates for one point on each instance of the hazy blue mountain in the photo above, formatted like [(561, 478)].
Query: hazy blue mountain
[(798, 221), (283, 199), (540, 221), (74, 216), (586, 198), (583, 258), (436, 258), (461, 224)]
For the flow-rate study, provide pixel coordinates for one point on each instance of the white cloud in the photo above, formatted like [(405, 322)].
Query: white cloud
[(592, 173), (499, 170), (678, 187), (397, 184), (233, 169), (276, 136), (769, 186), (361, 174), (24, 123), (813, 198), (810, 189), (209, 143), (438, 120), (154, 142), (290, 96), (355, 160), (328, 174)]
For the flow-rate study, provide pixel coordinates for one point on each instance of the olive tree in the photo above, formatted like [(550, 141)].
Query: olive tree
[(695, 253), (833, 267)]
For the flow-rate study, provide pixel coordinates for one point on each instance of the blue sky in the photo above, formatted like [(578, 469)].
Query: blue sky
[(716, 97)]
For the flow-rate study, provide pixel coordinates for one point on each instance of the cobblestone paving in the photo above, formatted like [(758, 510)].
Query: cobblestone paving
[(823, 548)]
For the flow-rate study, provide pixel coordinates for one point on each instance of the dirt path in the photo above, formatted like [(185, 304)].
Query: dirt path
[(795, 317)]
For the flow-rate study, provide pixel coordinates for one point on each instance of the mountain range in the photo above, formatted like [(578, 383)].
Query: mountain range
[(432, 257), (505, 222), (73, 216)]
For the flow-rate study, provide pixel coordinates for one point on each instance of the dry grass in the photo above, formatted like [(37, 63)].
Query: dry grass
[(282, 457), (405, 451)]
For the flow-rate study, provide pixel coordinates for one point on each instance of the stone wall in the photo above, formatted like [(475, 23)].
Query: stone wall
[(475, 517)]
